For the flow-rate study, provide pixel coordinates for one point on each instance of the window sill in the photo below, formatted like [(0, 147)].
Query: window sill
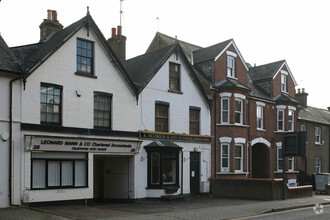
[(318, 143), (173, 91), (260, 129), (288, 171), (85, 74), (169, 187), (236, 125), (232, 173), (231, 77)]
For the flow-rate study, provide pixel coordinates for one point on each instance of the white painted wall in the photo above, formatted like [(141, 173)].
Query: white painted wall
[(60, 69), (157, 90)]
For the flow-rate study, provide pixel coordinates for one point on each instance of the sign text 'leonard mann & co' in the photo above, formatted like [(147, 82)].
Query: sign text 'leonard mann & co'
[(80, 145)]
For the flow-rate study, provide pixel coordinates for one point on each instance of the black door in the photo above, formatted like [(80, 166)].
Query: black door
[(194, 172)]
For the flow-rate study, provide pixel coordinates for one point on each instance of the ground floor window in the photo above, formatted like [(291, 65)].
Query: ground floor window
[(163, 167), (317, 165), (239, 158), (58, 170)]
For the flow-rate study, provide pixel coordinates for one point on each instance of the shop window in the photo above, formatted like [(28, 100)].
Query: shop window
[(102, 110), (85, 57), (174, 79), (163, 167), (58, 170), (50, 104), (161, 117), (194, 120)]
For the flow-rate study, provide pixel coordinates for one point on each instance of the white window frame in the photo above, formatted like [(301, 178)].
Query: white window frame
[(279, 158), (239, 112), (303, 128), (284, 81), (231, 69), (222, 168), (227, 110), (318, 135), (260, 117), (291, 121), (291, 164), (278, 120), (318, 165), (239, 158)]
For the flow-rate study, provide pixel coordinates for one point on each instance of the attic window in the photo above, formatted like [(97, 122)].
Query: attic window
[(284, 82), (230, 66), (85, 57), (174, 77)]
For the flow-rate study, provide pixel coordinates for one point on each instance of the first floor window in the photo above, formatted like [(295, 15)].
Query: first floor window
[(161, 117), (291, 164), (317, 135), (194, 120), (260, 117), (102, 110), (225, 157), (239, 111), (238, 158), (317, 165), (163, 167), (58, 170), (280, 120), (50, 103), (225, 110), (291, 120)]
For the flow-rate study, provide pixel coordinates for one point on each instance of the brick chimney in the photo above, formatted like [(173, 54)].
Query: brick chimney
[(49, 25), (301, 96), (118, 44)]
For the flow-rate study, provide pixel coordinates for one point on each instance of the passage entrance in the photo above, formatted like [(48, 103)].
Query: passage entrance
[(260, 161), (194, 173), (111, 177)]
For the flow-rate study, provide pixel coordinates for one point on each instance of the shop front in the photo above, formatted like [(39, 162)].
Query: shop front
[(75, 168)]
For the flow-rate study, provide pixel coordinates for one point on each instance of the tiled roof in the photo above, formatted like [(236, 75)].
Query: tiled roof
[(266, 71), (314, 115), (209, 53), (231, 83), (8, 60)]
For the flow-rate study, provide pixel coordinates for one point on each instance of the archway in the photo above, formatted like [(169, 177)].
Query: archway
[(260, 161)]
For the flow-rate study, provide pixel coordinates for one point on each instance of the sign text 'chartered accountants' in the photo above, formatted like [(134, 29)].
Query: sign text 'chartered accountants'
[(43, 143)]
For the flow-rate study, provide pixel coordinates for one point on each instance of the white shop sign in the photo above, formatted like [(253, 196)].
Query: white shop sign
[(44, 143)]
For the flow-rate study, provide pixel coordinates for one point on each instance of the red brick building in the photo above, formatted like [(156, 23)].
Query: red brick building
[(252, 108)]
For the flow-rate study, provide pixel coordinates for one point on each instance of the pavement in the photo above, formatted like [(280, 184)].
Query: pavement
[(193, 207)]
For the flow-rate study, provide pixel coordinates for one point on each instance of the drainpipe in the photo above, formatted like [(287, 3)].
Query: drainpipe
[(11, 138), (248, 147), (181, 172)]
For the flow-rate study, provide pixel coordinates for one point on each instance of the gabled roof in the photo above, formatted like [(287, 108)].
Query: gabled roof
[(161, 40), (210, 53), (34, 55), (143, 68), (283, 97), (268, 71), (231, 83), (316, 115), (8, 61)]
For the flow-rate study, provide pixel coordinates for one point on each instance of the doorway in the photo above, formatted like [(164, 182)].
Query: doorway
[(111, 178), (194, 173), (260, 161)]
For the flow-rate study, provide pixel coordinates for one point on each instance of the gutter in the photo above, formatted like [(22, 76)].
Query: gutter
[(11, 178)]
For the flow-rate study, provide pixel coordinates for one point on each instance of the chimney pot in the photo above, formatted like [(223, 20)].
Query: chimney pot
[(54, 15), (113, 32), (298, 90), (119, 30), (49, 14), (303, 90)]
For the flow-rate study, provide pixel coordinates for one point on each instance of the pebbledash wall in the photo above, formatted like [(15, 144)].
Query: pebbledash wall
[(75, 137), (157, 90)]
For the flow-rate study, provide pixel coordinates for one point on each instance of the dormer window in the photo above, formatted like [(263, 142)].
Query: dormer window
[(230, 67), (284, 84)]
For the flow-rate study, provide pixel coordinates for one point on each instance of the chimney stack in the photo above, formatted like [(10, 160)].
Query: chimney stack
[(49, 25), (302, 97), (118, 44)]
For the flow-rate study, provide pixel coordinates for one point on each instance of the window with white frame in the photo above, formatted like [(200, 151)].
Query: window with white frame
[(291, 164), (230, 66), (225, 157), (284, 83), (58, 170), (238, 111), (303, 128), (279, 159), (318, 135), (225, 110), (238, 158), (260, 117), (317, 165), (291, 120), (280, 119)]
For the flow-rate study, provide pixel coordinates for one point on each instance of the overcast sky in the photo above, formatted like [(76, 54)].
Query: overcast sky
[(264, 30)]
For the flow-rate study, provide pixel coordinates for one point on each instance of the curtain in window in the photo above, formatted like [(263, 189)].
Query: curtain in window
[(54, 173), (39, 172), (67, 173)]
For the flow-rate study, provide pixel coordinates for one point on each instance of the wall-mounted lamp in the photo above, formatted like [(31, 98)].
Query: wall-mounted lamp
[(4, 136), (78, 93), (143, 158)]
